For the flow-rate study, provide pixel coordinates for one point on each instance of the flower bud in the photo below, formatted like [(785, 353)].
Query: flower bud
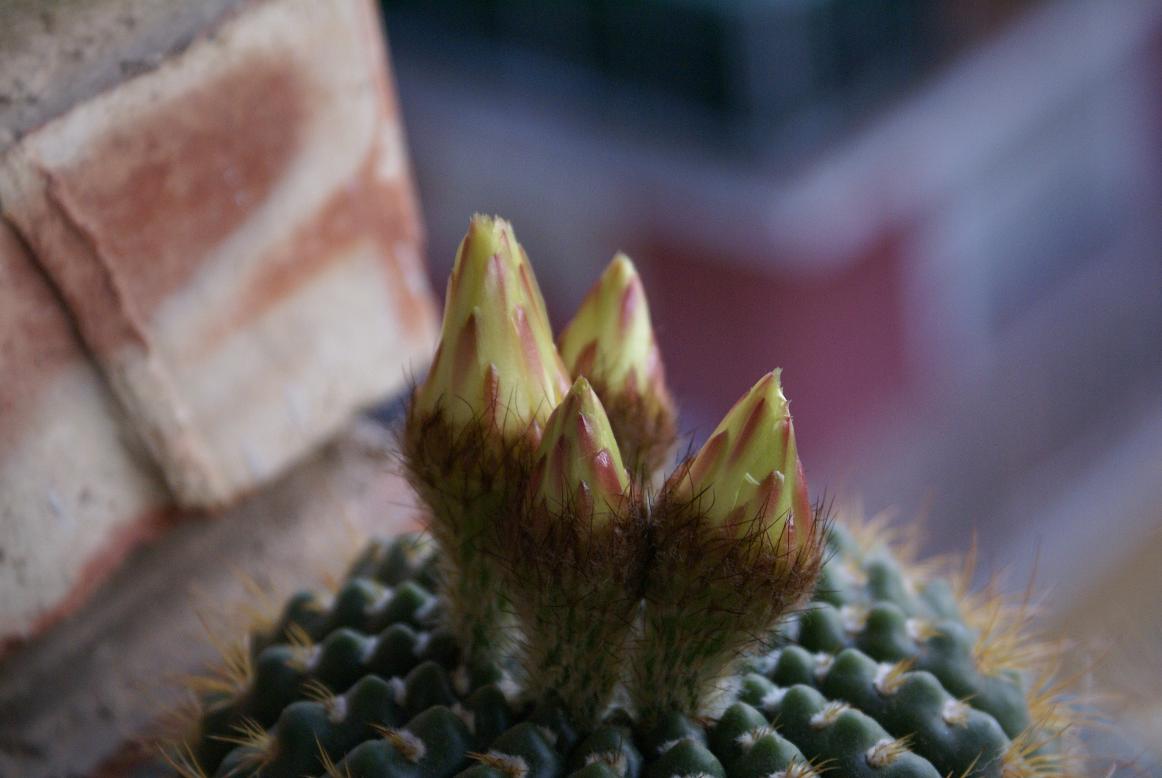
[(496, 361), (578, 465), (747, 477), (611, 342)]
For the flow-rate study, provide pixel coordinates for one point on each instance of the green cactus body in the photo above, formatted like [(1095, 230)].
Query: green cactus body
[(578, 615), (815, 700)]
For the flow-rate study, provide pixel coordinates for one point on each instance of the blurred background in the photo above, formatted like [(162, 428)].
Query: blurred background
[(942, 219)]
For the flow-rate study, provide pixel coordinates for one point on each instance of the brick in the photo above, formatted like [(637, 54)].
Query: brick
[(236, 235), (209, 261), (75, 493)]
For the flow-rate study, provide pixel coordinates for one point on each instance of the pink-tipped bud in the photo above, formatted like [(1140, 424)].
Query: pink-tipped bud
[(747, 477), (578, 464), (496, 360), (611, 342)]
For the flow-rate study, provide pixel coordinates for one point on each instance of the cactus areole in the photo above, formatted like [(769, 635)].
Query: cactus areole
[(574, 610)]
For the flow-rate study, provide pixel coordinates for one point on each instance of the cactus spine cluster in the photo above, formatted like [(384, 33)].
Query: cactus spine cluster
[(580, 614)]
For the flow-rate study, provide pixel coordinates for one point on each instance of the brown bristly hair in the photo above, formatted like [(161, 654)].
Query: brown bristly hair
[(741, 559)]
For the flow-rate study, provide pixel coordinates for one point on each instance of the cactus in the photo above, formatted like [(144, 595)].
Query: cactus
[(570, 619)]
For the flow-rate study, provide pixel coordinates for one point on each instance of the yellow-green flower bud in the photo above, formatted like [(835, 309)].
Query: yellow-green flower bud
[(747, 477), (741, 549), (610, 339), (578, 465), (496, 361), (611, 342)]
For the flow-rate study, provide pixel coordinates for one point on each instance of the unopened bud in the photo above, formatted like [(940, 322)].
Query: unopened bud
[(496, 361)]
